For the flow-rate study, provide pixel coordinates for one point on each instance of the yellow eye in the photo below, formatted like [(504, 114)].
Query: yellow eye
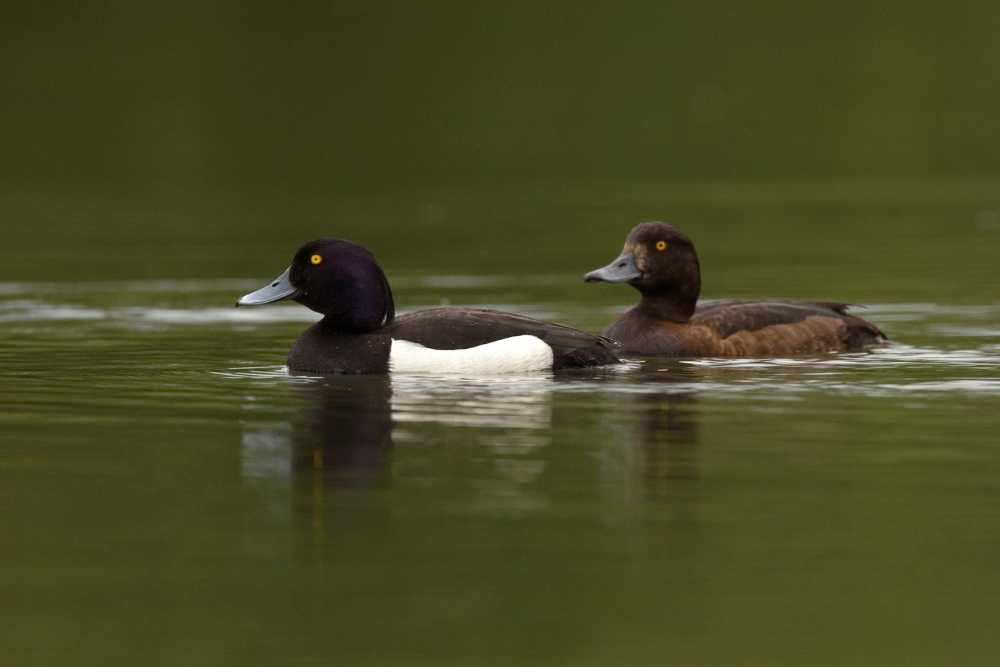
[(315, 259), (660, 245)]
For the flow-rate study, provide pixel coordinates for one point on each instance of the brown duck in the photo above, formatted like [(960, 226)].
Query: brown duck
[(660, 262)]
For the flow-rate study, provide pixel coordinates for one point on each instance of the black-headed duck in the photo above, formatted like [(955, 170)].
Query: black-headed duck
[(360, 333), (660, 262)]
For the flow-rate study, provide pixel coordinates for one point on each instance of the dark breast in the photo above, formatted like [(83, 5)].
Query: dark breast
[(320, 350), (462, 328)]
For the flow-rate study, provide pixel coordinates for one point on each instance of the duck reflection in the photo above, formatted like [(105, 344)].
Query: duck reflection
[(664, 456), (350, 439), (661, 444), (483, 439), (665, 446), (504, 401), (342, 426), (355, 447), (323, 467), (341, 430)]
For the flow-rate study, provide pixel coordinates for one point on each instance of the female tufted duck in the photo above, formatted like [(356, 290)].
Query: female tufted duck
[(360, 333), (660, 262)]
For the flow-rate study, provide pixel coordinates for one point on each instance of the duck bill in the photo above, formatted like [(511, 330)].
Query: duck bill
[(279, 290), (621, 270)]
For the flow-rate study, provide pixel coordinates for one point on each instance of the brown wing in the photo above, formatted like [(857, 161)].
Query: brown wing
[(728, 317), (461, 328), (776, 326)]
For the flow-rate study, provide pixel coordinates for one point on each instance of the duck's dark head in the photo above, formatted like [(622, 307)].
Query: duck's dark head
[(660, 261), (337, 278)]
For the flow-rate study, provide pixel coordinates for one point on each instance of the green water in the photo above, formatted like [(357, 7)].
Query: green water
[(172, 496)]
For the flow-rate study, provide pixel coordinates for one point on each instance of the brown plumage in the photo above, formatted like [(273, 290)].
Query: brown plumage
[(661, 262)]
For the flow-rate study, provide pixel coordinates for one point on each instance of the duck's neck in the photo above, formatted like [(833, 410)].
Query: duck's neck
[(359, 311), (332, 324), (668, 307), (672, 297)]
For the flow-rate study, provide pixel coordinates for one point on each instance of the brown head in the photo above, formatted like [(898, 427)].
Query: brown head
[(660, 262)]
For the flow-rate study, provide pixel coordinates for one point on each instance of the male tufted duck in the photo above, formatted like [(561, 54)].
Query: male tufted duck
[(360, 333), (660, 262)]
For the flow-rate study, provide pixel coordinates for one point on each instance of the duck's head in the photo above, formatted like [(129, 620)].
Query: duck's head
[(336, 278), (658, 260)]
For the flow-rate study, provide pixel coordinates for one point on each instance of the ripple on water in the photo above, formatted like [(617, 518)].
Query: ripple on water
[(36, 311), (80, 315)]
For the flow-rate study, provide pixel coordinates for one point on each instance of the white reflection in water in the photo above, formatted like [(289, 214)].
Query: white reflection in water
[(888, 357), (274, 313), (851, 374), (22, 310), (266, 454), (113, 286), (32, 311), (959, 331), (983, 387), (265, 373), (522, 401), (266, 466), (490, 432), (518, 461)]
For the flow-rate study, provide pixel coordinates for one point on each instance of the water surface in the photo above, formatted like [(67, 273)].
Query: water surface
[(174, 496)]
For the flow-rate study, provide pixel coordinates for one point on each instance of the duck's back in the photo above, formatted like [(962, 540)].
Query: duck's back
[(462, 328), (752, 328), (772, 327)]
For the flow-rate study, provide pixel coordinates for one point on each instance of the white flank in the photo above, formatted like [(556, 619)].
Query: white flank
[(510, 355)]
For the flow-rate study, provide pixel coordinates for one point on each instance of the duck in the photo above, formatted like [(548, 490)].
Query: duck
[(660, 261), (361, 334)]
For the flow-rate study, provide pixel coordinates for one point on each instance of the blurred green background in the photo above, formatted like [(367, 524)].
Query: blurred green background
[(189, 96), (154, 139)]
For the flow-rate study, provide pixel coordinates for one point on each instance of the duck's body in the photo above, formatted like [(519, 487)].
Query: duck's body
[(661, 263), (323, 349), (745, 329), (360, 332)]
